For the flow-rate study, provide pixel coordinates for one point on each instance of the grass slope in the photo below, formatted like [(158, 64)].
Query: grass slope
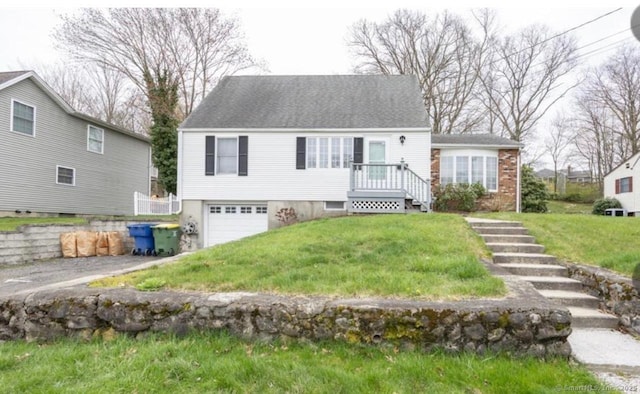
[(205, 363), (12, 224), (422, 256), (591, 239)]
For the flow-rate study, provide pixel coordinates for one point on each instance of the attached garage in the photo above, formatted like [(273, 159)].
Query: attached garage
[(231, 222)]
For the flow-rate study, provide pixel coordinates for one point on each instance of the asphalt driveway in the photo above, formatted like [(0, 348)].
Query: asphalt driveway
[(57, 273)]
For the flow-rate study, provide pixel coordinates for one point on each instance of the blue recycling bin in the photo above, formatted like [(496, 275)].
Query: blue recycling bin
[(143, 238)]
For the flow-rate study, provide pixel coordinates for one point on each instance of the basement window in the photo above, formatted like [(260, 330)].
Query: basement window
[(334, 206)]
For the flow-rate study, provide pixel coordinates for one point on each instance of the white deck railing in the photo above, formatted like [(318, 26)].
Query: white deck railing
[(145, 205), (390, 177)]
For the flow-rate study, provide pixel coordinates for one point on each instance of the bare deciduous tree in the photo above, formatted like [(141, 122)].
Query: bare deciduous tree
[(616, 86), (102, 93), (441, 51), (594, 136), (194, 46), (556, 145), (523, 81)]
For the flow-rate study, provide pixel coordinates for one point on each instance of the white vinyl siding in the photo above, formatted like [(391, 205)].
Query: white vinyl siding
[(273, 175), (23, 118), (95, 139), (629, 169)]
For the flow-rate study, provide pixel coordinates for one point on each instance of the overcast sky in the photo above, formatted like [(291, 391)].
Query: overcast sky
[(292, 39)]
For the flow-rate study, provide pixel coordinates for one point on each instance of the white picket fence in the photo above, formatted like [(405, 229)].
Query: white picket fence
[(145, 205)]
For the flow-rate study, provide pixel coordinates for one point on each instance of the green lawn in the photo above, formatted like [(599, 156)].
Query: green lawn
[(12, 224), (569, 207), (205, 363), (421, 256), (591, 239)]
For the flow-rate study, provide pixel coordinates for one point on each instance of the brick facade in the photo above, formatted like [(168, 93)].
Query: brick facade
[(505, 199)]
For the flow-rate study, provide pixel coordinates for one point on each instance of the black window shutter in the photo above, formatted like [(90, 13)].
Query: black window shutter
[(301, 153), (210, 155), (243, 155), (358, 149)]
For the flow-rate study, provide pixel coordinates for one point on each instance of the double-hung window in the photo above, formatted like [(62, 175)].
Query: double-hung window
[(227, 159), (624, 185), (23, 118), (95, 139), (329, 152)]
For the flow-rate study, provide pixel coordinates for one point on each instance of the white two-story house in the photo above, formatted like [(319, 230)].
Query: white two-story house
[(322, 145)]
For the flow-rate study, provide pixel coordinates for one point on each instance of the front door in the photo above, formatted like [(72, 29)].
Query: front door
[(377, 155)]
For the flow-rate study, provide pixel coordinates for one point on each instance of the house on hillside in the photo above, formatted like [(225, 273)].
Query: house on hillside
[(487, 159), (55, 160), (619, 184), (258, 144), (322, 145)]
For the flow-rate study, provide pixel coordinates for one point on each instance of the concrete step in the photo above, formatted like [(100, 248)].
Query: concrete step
[(492, 223), (501, 230), (512, 239), (535, 269), (553, 283), (571, 298), (527, 258), (591, 318), (498, 247)]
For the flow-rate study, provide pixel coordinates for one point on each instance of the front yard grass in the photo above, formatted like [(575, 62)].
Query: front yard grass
[(12, 223), (218, 362), (608, 242), (419, 256)]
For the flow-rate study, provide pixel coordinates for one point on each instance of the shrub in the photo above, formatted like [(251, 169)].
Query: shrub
[(601, 204), (458, 197), (534, 192)]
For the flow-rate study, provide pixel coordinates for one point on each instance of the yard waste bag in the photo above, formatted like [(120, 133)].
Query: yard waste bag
[(86, 243), (116, 247), (102, 244), (68, 245)]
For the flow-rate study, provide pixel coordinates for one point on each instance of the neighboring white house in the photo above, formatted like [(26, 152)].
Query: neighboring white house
[(619, 183), (258, 144), (55, 160)]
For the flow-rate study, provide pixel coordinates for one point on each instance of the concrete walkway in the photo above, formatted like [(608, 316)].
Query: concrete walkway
[(611, 355)]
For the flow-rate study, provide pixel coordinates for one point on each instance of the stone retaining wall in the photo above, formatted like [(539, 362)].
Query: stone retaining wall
[(520, 325), (618, 294), (41, 242)]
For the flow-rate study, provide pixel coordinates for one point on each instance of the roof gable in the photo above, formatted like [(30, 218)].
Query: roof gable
[(311, 102), (11, 78)]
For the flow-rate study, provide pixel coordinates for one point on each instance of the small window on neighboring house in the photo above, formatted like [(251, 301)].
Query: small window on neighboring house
[(95, 139), (65, 176), (23, 119), (624, 185), (492, 173)]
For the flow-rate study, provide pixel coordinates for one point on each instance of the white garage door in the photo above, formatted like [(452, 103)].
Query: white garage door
[(231, 222)]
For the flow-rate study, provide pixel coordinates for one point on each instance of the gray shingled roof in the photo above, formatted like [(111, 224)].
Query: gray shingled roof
[(312, 102), (9, 75), (473, 139)]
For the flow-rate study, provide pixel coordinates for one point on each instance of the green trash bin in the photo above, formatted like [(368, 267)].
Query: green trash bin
[(166, 238)]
